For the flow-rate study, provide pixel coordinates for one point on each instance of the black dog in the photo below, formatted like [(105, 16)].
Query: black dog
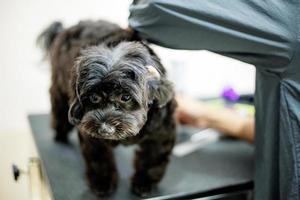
[(114, 89)]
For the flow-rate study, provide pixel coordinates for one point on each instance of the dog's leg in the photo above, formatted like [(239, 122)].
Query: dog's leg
[(101, 171), (59, 115), (150, 162)]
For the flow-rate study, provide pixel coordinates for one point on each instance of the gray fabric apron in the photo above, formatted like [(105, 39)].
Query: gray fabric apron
[(263, 33)]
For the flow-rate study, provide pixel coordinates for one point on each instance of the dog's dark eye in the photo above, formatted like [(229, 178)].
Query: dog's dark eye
[(125, 97), (94, 98)]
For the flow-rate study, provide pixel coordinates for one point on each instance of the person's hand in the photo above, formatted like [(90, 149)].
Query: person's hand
[(199, 114), (192, 112)]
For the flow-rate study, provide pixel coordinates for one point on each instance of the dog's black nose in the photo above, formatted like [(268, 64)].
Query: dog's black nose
[(106, 129)]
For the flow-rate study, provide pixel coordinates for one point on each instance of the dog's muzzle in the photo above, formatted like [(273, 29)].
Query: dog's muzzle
[(109, 123), (106, 129)]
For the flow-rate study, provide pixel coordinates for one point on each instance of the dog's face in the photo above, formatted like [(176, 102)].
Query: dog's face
[(113, 89)]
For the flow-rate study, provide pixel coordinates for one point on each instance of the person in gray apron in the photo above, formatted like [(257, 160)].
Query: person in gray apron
[(263, 33)]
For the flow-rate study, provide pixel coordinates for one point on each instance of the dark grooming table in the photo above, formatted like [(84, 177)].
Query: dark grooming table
[(222, 167)]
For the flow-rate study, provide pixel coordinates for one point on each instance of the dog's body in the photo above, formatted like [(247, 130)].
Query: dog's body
[(115, 91)]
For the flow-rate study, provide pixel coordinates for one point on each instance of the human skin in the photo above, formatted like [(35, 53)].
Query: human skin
[(199, 114)]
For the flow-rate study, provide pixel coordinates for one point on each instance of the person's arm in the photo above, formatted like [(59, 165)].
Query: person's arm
[(231, 123), (202, 115), (252, 31)]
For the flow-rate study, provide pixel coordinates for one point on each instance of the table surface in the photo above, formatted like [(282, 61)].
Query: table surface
[(216, 165)]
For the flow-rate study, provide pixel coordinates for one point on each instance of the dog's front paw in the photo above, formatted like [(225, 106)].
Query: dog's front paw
[(103, 192), (102, 188), (141, 189)]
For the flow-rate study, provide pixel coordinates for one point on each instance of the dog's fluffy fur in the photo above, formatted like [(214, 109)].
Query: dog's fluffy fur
[(113, 88)]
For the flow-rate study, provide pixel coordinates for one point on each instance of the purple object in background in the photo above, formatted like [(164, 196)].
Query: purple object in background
[(229, 94)]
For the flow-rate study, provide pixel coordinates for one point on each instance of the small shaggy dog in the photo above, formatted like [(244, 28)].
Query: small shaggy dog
[(113, 88)]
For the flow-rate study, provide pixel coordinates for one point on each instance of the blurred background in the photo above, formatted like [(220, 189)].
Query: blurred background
[(25, 77)]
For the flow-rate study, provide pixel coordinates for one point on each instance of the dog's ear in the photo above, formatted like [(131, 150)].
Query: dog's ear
[(75, 113), (161, 90)]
